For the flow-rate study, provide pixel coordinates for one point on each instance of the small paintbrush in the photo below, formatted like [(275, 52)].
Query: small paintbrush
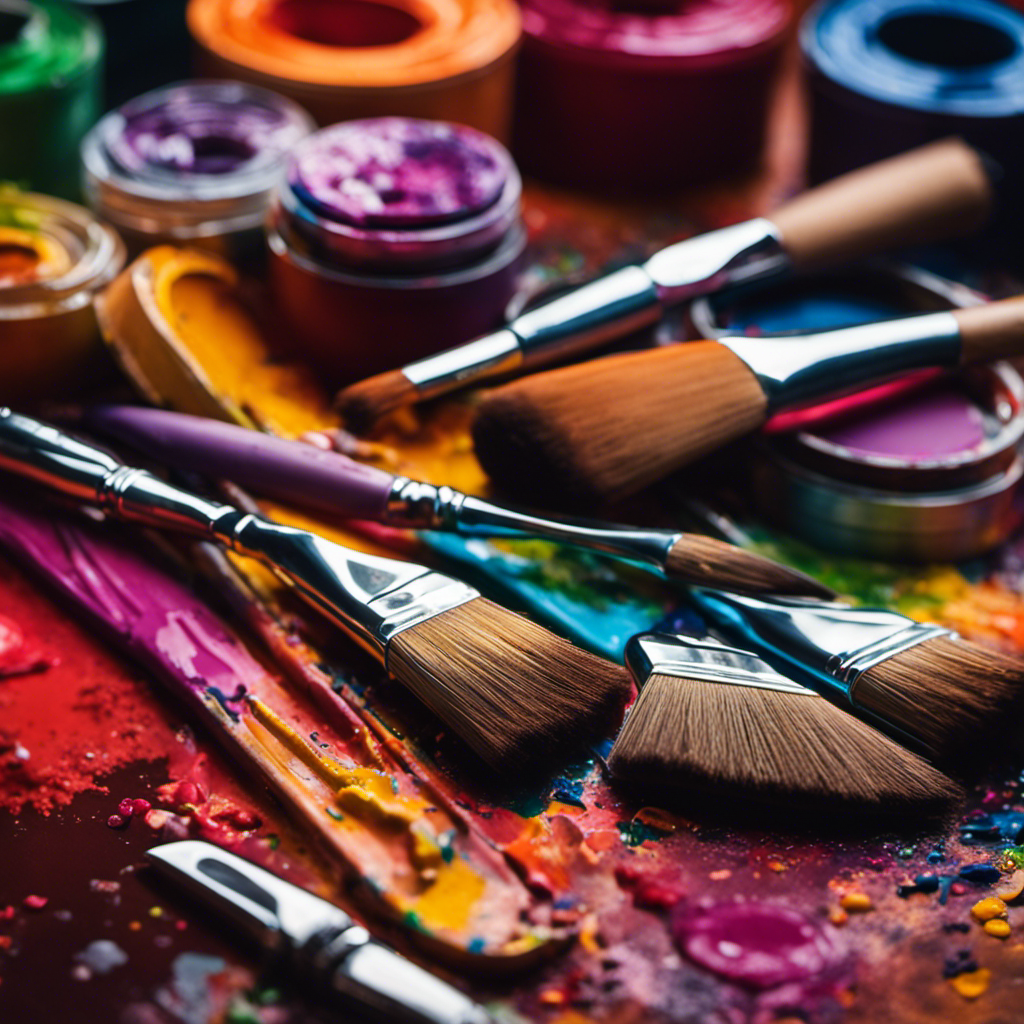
[(721, 719), (513, 691), (315, 938), (328, 481), (940, 190), (921, 683), (601, 430)]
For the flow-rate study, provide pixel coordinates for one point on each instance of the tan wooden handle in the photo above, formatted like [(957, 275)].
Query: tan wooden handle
[(938, 191), (992, 331)]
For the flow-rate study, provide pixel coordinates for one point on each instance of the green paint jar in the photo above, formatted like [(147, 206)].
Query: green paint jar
[(50, 92)]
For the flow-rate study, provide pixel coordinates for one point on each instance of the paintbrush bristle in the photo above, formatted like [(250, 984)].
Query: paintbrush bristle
[(946, 691), (516, 693), (362, 404), (761, 744), (601, 430), (711, 562)]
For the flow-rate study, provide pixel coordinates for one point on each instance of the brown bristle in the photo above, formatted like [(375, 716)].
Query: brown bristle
[(712, 562), (362, 404), (944, 691), (513, 691), (766, 744), (603, 429)]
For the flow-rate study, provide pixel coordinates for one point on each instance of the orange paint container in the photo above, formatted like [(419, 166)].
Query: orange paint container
[(447, 60), (54, 259)]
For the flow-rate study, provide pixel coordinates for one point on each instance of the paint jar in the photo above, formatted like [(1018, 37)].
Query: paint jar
[(54, 259), (924, 468), (391, 239), (148, 44), (447, 60), (192, 164), (645, 94), (50, 81), (887, 75)]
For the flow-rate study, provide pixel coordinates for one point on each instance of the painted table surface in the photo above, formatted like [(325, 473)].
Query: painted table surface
[(838, 921)]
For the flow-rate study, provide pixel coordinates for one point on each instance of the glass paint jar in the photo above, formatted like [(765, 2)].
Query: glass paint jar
[(55, 257), (392, 239), (50, 82), (192, 164)]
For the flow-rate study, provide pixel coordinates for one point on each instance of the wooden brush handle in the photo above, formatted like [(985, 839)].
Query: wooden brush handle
[(992, 331), (937, 191)]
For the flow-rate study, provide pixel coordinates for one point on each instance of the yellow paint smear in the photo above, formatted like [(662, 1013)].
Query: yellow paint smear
[(450, 899), (200, 302)]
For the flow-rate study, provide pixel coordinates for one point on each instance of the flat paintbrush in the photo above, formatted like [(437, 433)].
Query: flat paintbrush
[(920, 682), (721, 719), (599, 431), (940, 190), (513, 691), (328, 481)]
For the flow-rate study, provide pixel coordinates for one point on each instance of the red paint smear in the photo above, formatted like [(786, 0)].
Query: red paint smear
[(84, 702), (20, 654)]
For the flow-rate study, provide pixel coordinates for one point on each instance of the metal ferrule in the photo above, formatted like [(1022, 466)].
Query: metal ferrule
[(318, 938), (373, 599), (608, 307), (418, 505), (794, 369), (686, 657), (742, 252), (832, 644)]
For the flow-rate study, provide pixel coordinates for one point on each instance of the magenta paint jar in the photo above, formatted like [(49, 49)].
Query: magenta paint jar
[(391, 239), (631, 96)]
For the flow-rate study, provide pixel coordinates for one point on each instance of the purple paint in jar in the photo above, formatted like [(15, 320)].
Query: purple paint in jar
[(193, 163), (393, 238)]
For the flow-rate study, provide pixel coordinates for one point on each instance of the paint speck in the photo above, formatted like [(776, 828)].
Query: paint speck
[(104, 886), (102, 956), (140, 807), (989, 908), (116, 821), (720, 875), (35, 902), (972, 984), (21, 753), (997, 927), (856, 903), (125, 808), (156, 911), (81, 973), (134, 926)]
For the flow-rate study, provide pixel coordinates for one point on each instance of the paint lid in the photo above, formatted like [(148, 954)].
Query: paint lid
[(195, 158), (397, 192)]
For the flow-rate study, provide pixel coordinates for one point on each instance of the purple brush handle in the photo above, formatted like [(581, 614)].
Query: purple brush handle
[(291, 471)]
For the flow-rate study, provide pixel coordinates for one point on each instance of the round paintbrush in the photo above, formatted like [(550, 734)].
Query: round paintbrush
[(604, 429), (296, 472), (938, 191)]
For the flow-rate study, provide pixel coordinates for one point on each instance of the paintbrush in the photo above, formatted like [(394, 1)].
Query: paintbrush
[(919, 682), (940, 190), (603, 429), (513, 691), (721, 718), (330, 482), (314, 937)]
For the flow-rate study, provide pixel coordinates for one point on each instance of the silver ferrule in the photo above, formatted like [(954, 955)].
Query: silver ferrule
[(372, 598), (697, 266), (832, 643), (414, 504), (793, 369), (685, 657)]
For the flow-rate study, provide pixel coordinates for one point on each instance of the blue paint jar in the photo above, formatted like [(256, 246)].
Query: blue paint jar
[(887, 75)]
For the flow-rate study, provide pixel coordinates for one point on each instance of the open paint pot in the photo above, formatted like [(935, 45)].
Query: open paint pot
[(54, 259), (446, 60), (924, 469), (887, 75), (50, 82), (391, 239), (630, 96), (192, 164)]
